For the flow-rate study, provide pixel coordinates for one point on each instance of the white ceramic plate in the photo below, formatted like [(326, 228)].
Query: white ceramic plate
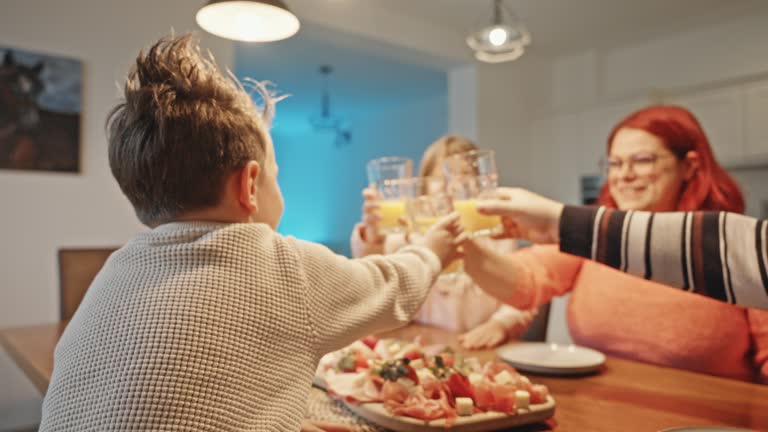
[(549, 358), (705, 429)]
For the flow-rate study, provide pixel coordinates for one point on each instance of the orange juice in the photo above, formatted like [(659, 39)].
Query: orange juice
[(391, 211), (473, 221)]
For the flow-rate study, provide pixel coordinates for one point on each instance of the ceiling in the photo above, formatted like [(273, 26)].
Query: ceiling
[(557, 26), (366, 78), (562, 25), (390, 52)]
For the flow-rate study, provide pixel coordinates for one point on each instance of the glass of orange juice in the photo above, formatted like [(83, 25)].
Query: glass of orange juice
[(386, 176), (471, 177), (427, 201), (391, 211)]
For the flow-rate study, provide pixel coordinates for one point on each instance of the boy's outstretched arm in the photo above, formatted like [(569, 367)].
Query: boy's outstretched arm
[(348, 299)]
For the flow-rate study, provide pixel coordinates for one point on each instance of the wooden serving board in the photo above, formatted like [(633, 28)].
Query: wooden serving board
[(482, 422)]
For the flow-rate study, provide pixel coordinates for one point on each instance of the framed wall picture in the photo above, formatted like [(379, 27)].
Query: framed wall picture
[(40, 103)]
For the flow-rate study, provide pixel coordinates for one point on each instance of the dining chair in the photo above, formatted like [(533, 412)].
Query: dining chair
[(537, 331), (77, 268)]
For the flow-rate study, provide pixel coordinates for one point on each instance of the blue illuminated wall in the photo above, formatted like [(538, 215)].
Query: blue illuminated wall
[(393, 108)]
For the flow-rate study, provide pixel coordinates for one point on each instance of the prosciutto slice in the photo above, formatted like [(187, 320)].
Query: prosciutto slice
[(353, 387)]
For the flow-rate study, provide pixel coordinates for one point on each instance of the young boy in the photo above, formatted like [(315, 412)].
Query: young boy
[(211, 321)]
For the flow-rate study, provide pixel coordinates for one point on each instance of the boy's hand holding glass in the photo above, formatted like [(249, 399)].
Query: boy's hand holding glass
[(443, 238), (426, 203)]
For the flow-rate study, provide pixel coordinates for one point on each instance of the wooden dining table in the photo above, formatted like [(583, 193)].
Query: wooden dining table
[(624, 395)]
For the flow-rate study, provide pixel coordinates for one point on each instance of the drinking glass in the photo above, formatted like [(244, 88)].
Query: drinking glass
[(385, 175), (472, 177), (427, 201)]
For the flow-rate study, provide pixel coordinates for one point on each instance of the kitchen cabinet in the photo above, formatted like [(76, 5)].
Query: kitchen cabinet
[(756, 123), (721, 114), (735, 119)]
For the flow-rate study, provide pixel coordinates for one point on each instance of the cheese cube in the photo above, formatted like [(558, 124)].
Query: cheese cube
[(503, 377), (475, 378), (522, 399), (417, 364), (464, 406), (424, 374)]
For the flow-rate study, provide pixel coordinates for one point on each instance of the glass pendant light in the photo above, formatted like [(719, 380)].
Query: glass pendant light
[(500, 41)]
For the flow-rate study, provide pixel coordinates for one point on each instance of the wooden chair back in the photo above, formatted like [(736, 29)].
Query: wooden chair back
[(77, 269)]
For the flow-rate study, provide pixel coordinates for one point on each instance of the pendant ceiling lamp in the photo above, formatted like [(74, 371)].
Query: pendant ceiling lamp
[(501, 41), (248, 20)]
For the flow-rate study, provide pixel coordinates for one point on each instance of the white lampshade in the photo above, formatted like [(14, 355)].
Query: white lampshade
[(500, 57), (248, 20), (503, 40)]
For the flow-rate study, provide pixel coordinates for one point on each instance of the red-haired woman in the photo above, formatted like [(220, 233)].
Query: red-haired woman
[(658, 159), (670, 165)]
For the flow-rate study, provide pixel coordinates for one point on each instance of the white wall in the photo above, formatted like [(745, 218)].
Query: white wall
[(42, 212), (548, 118), (462, 101), (547, 121)]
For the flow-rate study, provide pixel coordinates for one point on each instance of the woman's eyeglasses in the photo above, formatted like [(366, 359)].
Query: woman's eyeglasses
[(640, 163)]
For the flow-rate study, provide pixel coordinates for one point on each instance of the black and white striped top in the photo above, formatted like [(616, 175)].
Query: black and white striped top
[(717, 254)]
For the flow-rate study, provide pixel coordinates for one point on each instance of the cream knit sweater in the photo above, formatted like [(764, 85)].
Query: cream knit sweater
[(200, 326)]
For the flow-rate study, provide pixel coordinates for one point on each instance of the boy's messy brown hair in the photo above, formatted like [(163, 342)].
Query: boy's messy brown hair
[(181, 128)]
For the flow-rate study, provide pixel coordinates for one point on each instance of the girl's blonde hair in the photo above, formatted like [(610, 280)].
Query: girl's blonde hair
[(445, 146)]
